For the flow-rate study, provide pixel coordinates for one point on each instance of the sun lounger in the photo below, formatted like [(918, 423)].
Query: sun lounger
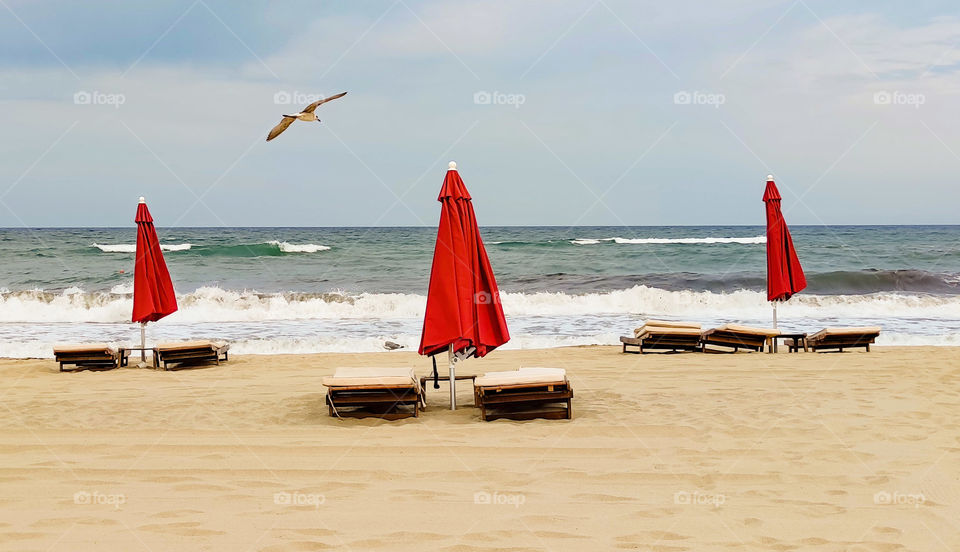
[(189, 352), (660, 334), (738, 337), (90, 356), (843, 338), (524, 394), (373, 392)]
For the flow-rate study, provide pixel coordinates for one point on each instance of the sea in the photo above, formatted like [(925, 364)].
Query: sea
[(307, 290)]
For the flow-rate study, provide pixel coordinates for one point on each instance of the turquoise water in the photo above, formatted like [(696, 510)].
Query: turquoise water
[(319, 289)]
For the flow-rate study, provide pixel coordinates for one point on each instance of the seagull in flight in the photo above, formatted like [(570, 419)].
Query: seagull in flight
[(306, 115)]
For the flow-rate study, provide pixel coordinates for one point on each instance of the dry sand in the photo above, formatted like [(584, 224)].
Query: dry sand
[(853, 451)]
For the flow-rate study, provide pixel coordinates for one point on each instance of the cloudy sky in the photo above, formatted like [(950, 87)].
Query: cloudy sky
[(574, 112)]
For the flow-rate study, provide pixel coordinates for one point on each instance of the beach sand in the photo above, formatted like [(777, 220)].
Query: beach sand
[(852, 451)]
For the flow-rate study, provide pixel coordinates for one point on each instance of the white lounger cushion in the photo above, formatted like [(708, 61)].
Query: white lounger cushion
[(378, 376), (523, 376), (737, 328), (645, 331), (864, 330), (84, 348), (671, 324), (185, 345)]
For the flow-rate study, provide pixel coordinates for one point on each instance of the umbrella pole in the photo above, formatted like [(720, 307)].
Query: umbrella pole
[(453, 379), (774, 314), (143, 342)]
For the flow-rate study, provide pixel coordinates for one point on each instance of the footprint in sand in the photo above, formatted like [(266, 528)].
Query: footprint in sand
[(186, 529), (176, 513), (304, 546)]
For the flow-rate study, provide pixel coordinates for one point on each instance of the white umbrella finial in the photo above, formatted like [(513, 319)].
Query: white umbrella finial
[(142, 199), (769, 178), (452, 165)]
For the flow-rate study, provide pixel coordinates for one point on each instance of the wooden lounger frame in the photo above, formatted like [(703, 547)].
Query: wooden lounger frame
[(366, 400), (92, 360), (841, 342), (736, 340), (211, 353), (661, 341), (537, 395)]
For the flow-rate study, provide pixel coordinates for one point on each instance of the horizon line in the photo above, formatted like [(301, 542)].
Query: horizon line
[(2, 228)]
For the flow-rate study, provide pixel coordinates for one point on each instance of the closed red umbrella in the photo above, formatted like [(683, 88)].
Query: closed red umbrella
[(464, 316), (784, 273), (153, 295)]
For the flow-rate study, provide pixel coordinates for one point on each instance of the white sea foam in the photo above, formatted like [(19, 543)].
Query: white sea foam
[(287, 247), (590, 241), (122, 289), (213, 304), (132, 247)]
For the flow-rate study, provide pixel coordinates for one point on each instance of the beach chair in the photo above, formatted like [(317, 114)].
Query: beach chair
[(190, 352), (843, 338), (524, 394), (736, 337), (92, 356), (664, 335), (374, 392)]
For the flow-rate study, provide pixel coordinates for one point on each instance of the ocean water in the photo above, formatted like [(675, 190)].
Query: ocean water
[(299, 290)]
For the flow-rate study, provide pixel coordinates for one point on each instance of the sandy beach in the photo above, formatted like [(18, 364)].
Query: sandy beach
[(853, 451)]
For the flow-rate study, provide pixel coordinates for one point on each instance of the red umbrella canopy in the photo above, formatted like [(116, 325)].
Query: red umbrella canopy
[(153, 296), (463, 302), (784, 273)]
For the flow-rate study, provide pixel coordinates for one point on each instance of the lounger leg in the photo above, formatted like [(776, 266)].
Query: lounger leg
[(868, 347), (569, 409)]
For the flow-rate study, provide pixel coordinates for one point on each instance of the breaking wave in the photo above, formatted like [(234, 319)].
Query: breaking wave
[(597, 241), (266, 249), (132, 247), (212, 304)]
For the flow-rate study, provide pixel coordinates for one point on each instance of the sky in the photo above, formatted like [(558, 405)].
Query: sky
[(558, 112)]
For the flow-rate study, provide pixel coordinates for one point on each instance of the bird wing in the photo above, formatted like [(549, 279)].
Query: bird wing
[(282, 126), (311, 107)]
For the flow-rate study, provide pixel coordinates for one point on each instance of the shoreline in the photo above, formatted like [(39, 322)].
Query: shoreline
[(135, 356)]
